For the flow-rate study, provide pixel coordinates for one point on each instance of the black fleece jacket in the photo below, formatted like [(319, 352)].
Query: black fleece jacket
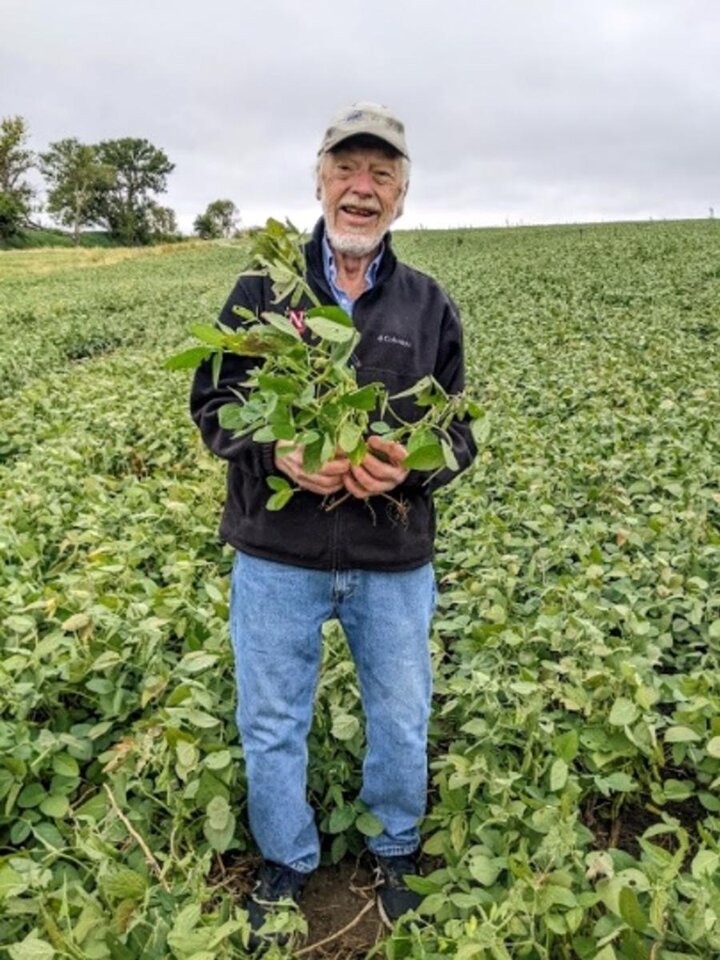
[(409, 328)]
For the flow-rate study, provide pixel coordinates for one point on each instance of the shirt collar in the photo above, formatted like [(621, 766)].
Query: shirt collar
[(331, 269)]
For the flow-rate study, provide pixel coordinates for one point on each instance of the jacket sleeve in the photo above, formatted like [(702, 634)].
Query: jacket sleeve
[(206, 398), (450, 374)]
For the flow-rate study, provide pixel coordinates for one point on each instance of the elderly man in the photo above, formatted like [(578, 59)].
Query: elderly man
[(300, 567)]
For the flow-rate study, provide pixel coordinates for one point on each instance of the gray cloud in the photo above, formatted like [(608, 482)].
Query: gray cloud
[(526, 111)]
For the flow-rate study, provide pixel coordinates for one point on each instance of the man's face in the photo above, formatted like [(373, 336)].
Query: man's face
[(361, 191)]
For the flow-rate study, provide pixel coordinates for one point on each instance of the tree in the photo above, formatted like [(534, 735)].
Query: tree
[(77, 178), (15, 161), (139, 170), (162, 222), (12, 215), (220, 219)]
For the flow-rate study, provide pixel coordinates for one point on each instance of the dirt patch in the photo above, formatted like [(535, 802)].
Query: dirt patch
[(333, 899), (622, 831), (342, 923)]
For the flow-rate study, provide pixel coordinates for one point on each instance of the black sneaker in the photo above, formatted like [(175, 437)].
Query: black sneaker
[(276, 885), (394, 896)]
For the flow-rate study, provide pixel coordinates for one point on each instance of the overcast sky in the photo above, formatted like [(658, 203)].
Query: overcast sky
[(532, 111)]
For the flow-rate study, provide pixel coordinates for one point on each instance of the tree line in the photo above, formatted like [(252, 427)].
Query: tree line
[(113, 185)]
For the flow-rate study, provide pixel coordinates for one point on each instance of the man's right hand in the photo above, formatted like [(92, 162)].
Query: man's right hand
[(327, 480)]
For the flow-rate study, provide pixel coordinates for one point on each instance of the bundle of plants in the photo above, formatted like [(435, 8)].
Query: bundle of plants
[(304, 390)]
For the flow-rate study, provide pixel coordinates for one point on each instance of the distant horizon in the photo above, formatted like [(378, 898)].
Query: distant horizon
[(420, 227)]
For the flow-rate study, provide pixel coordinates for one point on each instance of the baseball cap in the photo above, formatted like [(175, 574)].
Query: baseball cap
[(365, 117)]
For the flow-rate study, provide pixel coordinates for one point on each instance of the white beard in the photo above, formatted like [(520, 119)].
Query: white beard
[(352, 244)]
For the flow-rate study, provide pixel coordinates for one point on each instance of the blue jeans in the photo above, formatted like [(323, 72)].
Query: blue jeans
[(276, 616)]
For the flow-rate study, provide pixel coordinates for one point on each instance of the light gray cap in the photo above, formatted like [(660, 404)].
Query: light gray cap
[(365, 117)]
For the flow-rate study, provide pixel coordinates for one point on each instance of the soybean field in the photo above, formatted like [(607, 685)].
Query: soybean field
[(574, 808)]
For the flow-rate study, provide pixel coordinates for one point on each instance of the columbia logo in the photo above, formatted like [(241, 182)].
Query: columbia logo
[(390, 338)]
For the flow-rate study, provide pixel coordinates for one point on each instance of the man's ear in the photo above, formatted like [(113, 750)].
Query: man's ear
[(401, 201)]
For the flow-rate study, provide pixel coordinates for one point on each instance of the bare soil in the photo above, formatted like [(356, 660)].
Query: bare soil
[(332, 902)]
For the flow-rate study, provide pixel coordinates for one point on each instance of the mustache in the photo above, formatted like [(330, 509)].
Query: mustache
[(360, 205)]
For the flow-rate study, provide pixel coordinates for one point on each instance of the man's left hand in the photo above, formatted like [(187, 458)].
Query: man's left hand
[(373, 475)]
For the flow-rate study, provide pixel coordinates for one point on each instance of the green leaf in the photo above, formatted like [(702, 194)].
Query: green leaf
[(122, 883), (422, 885), (65, 765), (480, 430), (349, 437), (429, 457), (185, 922), (331, 312), (19, 624), (329, 329), (218, 812), (565, 745), (607, 953), (423, 384), (681, 734), (420, 437), (78, 621), (231, 417), (187, 754), (279, 500), (706, 863), (245, 313), (188, 359), (218, 760), (338, 848), (31, 948), (558, 775), (208, 334), (266, 434), (281, 323), (199, 718), (623, 712), (709, 801), (485, 869), (55, 805), (278, 484), (20, 831), (216, 366), (11, 882), (345, 726), (449, 456), (31, 795), (435, 845), (196, 662), (363, 399), (713, 747), (283, 386), (615, 783), (369, 825), (315, 454), (631, 911), (220, 838), (341, 818)]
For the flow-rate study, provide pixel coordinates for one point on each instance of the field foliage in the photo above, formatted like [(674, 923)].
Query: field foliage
[(575, 800)]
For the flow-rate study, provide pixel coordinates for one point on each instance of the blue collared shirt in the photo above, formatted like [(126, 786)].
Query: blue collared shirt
[(331, 275)]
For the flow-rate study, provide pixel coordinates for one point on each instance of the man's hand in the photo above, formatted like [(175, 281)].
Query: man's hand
[(374, 475), (328, 479)]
